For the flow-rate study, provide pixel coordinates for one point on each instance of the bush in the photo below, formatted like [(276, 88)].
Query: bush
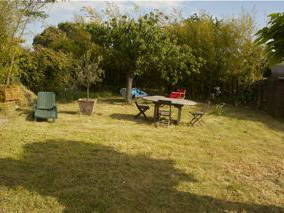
[(47, 70), (233, 61)]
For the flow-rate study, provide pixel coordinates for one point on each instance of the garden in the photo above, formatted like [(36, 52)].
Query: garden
[(104, 158)]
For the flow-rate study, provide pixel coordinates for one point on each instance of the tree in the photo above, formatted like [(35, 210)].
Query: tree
[(129, 41), (47, 69), (273, 37), (89, 71), (139, 45), (231, 59), (66, 37), (73, 40), (15, 16)]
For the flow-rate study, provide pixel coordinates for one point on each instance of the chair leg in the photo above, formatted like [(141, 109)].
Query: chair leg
[(201, 121), (142, 111), (196, 120), (144, 114), (192, 121)]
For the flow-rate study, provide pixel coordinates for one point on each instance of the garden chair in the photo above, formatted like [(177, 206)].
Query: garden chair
[(198, 115), (180, 93), (45, 108), (142, 109), (164, 115)]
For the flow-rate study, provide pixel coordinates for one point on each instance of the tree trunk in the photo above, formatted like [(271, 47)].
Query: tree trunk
[(128, 95), (88, 91), (10, 70)]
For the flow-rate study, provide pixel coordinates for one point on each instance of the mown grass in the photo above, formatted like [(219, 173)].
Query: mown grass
[(110, 162)]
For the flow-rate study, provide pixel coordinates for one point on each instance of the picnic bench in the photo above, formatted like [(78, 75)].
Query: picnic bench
[(178, 103)]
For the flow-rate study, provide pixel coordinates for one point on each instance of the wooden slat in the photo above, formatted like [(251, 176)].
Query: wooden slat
[(12, 94)]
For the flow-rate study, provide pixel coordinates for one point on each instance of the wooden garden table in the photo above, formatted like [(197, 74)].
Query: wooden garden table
[(178, 103)]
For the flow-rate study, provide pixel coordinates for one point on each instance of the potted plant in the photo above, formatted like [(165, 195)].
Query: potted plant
[(89, 73)]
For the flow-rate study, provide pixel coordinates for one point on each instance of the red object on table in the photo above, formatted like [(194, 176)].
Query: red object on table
[(180, 93)]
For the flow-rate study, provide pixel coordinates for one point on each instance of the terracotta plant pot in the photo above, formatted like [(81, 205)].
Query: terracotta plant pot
[(87, 106)]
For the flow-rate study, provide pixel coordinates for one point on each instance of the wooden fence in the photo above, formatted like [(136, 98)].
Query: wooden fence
[(271, 96)]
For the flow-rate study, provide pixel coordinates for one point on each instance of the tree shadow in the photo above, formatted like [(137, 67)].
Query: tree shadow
[(86, 177)]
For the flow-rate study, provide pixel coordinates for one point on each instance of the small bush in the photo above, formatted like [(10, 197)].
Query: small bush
[(73, 95), (219, 109)]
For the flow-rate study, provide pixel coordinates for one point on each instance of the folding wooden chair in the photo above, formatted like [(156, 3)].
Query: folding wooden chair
[(142, 109), (198, 115)]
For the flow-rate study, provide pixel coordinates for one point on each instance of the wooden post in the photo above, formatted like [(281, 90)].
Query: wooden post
[(156, 109)]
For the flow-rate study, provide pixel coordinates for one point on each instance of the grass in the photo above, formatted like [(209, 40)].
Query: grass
[(110, 162)]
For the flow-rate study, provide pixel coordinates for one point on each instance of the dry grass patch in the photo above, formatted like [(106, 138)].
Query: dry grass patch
[(111, 162)]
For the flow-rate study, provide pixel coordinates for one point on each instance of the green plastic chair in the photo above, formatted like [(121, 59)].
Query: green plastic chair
[(45, 108)]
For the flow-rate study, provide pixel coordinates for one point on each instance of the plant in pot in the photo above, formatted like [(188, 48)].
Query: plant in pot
[(89, 73)]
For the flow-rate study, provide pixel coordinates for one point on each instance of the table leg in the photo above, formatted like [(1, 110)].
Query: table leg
[(155, 112), (179, 114)]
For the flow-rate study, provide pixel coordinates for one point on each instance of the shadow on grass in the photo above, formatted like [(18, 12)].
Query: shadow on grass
[(29, 113), (128, 117), (86, 177), (69, 112), (115, 100)]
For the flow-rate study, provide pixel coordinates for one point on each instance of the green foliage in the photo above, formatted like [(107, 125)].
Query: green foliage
[(231, 58), (198, 54), (70, 38), (273, 37), (15, 16), (46, 69), (56, 67), (142, 45), (73, 41), (89, 71), (219, 109), (9, 46), (70, 95)]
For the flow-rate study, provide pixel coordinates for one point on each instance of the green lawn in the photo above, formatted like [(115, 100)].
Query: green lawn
[(110, 162)]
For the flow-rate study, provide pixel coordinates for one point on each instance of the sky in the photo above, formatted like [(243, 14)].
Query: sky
[(65, 11)]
